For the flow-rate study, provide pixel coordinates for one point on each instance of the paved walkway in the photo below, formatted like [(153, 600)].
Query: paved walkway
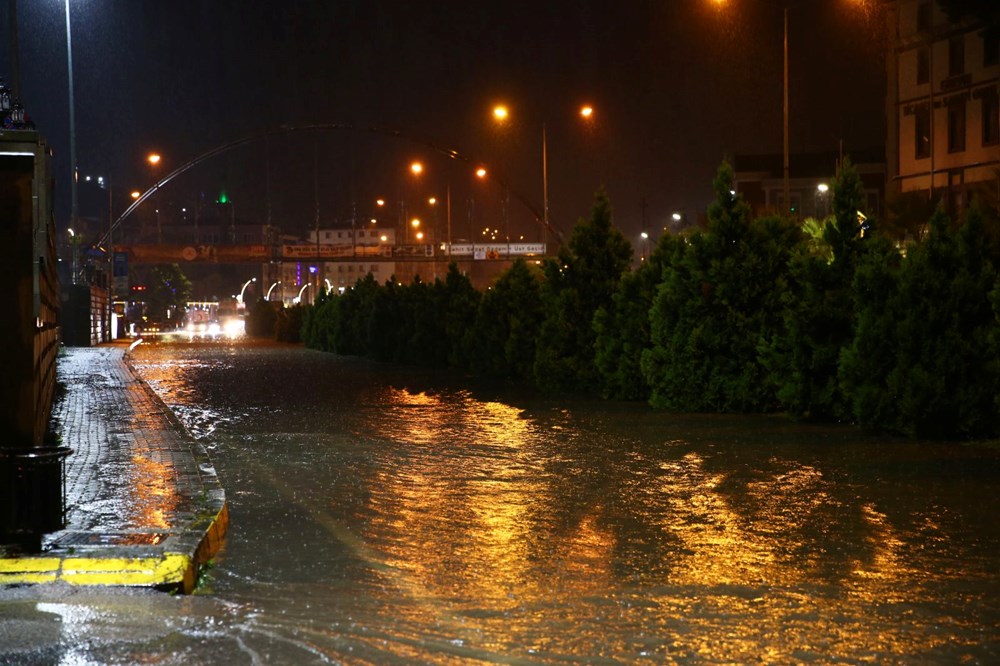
[(143, 503)]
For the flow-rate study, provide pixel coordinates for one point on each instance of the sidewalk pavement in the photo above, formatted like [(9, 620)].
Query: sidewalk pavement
[(144, 506)]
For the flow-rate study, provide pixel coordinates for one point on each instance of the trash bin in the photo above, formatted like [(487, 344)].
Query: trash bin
[(32, 496)]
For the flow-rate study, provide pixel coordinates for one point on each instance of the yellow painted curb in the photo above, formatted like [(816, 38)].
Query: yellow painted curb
[(169, 570)]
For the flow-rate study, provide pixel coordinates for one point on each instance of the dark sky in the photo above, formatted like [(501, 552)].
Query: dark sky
[(676, 85)]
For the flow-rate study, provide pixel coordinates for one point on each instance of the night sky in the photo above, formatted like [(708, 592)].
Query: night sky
[(676, 86)]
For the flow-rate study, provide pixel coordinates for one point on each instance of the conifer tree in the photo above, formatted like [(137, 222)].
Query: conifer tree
[(583, 280)]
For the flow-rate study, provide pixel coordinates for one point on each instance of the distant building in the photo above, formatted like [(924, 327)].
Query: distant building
[(760, 179), (943, 103), (358, 252)]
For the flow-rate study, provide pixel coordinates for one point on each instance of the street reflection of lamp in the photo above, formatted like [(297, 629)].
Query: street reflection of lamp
[(239, 299), (270, 289)]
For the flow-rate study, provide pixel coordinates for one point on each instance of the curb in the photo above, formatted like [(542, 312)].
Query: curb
[(170, 560)]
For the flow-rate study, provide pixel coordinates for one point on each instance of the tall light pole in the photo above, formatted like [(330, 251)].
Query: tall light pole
[(788, 203), (500, 115), (74, 205), (239, 299), (270, 289)]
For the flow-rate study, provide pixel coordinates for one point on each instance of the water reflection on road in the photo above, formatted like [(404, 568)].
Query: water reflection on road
[(388, 516)]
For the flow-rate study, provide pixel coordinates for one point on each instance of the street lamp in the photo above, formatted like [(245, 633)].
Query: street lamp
[(239, 299), (298, 299), (75, 208), (74, 243), (787, 190), (270, 289), (645, 239), (501, 115)]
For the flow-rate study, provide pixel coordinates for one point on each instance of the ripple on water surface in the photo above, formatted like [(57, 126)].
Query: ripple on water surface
[(386, 514)]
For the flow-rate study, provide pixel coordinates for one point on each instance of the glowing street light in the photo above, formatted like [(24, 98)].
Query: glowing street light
[(239, 299), (153, 159), (135, 194), (298, 299), (481, 172), (500, 115), (417, 168), (270, 289)]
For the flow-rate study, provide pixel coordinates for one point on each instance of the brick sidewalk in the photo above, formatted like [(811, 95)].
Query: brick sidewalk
[(143, 503)]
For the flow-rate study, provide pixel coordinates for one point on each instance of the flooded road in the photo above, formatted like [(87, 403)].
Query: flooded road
[(382, 515)]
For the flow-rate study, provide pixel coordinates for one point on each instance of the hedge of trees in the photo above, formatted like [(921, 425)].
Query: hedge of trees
[(827, 320)]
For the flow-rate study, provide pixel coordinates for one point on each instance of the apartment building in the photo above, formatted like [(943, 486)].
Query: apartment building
[(943, 103)]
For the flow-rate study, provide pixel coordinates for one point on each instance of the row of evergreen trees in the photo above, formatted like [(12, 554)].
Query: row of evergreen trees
[(749, 314)]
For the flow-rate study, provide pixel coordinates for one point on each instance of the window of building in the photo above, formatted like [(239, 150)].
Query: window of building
[(956, 126), (956, 55), (991, 47), (990, 102), (922, 132), (923, 16), (923, 65)]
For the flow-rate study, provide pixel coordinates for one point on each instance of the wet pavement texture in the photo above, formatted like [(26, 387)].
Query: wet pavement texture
[(137, 486), (382, 515)]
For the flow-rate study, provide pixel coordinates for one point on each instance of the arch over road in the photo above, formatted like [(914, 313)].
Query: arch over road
[(322, 127)]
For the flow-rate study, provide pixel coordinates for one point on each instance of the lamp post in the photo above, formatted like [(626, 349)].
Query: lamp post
[(501, 114), (74, 203), (239, 299), (298, 299), (74, 243), (270, 289), (788, 203)]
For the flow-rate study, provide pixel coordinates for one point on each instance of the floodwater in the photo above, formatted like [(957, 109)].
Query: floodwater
[(382, 515)]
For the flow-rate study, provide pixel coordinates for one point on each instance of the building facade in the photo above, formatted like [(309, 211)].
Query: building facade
[(760, 180), (943, 103)]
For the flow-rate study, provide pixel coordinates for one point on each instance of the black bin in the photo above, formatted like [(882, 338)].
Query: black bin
[(32, 497)]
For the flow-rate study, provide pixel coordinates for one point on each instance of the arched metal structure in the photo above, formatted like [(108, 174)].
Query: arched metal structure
[(321, 127)]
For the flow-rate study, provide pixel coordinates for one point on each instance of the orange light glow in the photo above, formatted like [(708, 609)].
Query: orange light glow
[(153, 158), (417, 168), (500, 113)]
